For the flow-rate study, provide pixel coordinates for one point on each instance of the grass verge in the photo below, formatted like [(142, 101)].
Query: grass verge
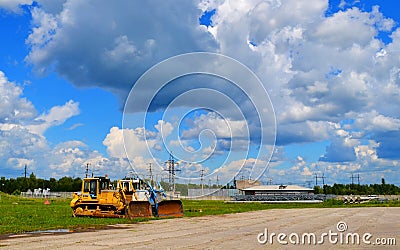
[(26, 214)]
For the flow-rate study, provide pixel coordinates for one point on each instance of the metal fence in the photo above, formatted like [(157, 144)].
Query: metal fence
[(289, 197), (63, 195), (215, 192)]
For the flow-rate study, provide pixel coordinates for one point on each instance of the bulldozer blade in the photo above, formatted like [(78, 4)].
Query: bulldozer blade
[(170, 208), (139, 209)]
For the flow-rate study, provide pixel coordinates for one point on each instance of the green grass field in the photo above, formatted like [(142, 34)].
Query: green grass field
[(26, 214)]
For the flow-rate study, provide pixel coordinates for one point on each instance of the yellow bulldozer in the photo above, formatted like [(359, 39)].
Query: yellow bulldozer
[(132, 198)]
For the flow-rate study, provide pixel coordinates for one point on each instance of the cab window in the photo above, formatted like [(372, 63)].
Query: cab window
[(93, 186), (104, 185), (86, 186)]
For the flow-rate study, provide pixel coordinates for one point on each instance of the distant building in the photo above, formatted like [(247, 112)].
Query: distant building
[(241, 184), (278, 190), (277, 193)]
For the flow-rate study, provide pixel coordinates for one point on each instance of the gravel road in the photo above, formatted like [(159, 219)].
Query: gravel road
[(235, 231)]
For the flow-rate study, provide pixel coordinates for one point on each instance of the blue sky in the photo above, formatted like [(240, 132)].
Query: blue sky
[(331, 70)]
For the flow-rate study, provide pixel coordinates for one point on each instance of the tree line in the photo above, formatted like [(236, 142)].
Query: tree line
[(357, 189), (22, 184), (69, 184)]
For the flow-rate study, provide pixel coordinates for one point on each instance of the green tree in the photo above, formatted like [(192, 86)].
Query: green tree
[(318, 190), (32, 182), (64, 184), (2, 183)]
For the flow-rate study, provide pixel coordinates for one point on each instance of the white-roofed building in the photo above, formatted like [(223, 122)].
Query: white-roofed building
[(277, 190), (277, 193)]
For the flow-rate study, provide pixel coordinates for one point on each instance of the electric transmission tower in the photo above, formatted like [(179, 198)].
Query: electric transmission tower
[(171, 163)]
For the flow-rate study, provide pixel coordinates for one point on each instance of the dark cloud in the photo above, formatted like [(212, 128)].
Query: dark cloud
[(389, 146), (337, 151), (301, 132), (93, 43)]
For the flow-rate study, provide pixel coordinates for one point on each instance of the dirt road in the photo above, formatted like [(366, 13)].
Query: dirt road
[(236, 231)]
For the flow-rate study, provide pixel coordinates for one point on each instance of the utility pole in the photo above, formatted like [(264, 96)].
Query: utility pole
[(316, 179), (319, 177), (355, 177), (323, 179), (171, 171), (217, 182), (202, 180), (151, 175), (26, 168)]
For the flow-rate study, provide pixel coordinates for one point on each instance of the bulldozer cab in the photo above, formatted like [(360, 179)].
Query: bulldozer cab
[(130, 185), (126, 185), (90, 186), (93, 186)]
